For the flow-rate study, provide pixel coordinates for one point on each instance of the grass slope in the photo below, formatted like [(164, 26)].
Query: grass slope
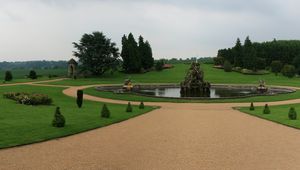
[(177, 74), (21, 124), (279, 114)]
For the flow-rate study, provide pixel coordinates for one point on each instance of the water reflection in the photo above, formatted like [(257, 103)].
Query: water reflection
[(214, 92)]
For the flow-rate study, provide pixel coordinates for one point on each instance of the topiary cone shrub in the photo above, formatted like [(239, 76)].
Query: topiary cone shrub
[(292, 114), (79, 99), (252, 106), (142, 106), (105, 113), (59, 119), (129, 107), (266, 109)]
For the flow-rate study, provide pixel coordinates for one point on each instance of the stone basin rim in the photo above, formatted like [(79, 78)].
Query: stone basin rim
[(112, 88)]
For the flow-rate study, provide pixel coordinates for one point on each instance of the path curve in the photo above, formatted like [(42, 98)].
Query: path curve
[(176, 136)]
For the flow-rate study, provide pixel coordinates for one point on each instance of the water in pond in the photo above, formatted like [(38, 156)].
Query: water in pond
[(214, 92)]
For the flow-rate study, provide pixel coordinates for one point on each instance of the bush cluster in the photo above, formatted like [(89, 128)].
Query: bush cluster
[(29, 99), (227, 66), (288, 70)]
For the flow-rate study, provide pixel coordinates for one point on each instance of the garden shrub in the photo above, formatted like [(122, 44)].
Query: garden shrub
[(252, 106), (142, 106), (8, 76), (29, 99), (292, 114), (159, 65), (79, 99), (266, 109), (288, 71), (59, 119), (105, 113), (129, 107), (227, 66), (276, 66)]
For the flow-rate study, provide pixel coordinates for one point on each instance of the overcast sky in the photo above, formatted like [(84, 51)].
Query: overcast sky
[(45, 29)]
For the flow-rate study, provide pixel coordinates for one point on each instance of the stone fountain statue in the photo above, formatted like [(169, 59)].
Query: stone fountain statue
[(262, 88), (194, 84)]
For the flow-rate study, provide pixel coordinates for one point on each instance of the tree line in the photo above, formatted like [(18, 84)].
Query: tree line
[(255, 56), (98, 54), (32, 65)]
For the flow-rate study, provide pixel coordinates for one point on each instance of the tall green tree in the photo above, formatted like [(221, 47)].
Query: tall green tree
[(249, 55), (238, 54), (132, 62), (97, 53), (145, 53), (148, 59)]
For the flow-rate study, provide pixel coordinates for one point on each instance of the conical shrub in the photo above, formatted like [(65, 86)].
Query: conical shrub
[(129, 107), (292, 114), (59, 119), (266, 109), (105, 113), (79, 99), (142, 106), (252, 106)]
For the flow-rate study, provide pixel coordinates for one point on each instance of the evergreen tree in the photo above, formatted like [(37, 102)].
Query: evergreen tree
[(105, 113), (266, 109), (32, 74), (8, 76), (59, 119), (142, 106), (79, 99), (249, 55), (129, 107), (292, 114), (238, 54), (125, 54), (252, 106), (148, 59), (134, 59), (97, 54)]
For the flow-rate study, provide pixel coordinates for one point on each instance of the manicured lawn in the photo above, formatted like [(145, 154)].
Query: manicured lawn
[(19, 75), (279, 114), (22, 124), (131, 97), (177, 74)]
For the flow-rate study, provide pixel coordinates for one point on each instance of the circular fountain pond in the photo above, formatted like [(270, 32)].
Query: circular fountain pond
[(216, 91)]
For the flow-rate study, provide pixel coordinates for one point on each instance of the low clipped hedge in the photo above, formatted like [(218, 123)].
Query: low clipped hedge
[(29, 98)]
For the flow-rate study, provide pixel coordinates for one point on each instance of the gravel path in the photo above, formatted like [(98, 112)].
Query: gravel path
[(176, 136)]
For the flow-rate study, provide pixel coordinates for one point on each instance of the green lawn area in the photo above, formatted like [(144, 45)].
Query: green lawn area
[(19, 75), (279, 114), (176, 75), (131, 97), (22, 124)]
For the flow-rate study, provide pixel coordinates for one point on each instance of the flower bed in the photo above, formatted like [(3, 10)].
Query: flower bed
[(29, 99)]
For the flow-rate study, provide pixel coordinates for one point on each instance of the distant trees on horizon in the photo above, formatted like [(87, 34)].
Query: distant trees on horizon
[(255, 56)]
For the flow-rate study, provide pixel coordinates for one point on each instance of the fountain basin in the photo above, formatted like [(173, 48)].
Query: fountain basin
[(216, 91)]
